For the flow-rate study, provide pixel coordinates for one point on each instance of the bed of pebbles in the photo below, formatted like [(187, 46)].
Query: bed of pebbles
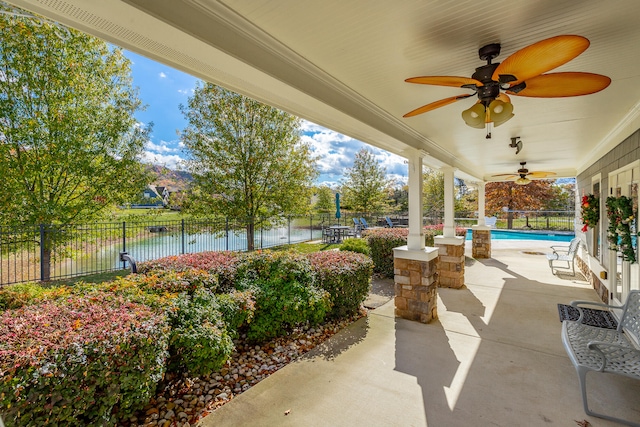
[(181, 401)]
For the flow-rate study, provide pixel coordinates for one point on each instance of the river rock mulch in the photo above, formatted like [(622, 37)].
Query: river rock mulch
[(181, 401)]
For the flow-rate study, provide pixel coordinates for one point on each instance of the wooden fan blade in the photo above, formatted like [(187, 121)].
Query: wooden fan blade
[(434, 105), (558, 85), (444, 81), (541, 57), (540, 174), (509, 175)]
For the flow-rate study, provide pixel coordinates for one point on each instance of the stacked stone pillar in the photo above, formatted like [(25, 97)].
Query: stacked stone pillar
[(481, 242), (450, 261), (416, 282)]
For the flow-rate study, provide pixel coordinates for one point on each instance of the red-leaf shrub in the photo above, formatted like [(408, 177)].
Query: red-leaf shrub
[(222, 264), (382, 241), (346, 276), (79, 360)]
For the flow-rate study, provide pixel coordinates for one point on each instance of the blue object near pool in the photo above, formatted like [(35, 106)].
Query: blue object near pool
[(528, 235)]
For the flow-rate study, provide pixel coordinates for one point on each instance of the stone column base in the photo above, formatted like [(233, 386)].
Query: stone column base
[(416, 281), (481, 242), (450, 261)]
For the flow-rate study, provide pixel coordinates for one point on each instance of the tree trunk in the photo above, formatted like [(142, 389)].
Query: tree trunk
[(45, 268), (509, 220), (251, 228), (45, 253)]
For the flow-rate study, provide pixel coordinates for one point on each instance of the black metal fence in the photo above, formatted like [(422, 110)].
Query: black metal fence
[(48, 252)]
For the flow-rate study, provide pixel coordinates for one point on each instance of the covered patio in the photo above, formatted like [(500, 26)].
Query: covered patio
[(494, 357)]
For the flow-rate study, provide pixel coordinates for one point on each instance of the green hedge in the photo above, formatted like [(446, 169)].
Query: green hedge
[(285, 292), (199, 341), (346, 276), (356, 245), (79, 361), (237, 308)]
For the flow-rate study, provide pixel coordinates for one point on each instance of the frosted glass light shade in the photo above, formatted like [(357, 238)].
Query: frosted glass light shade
[(474, 116)]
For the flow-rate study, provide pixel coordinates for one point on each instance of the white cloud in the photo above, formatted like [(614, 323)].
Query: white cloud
[(171, 161), (336, 152), (160, 148), (162, 75)]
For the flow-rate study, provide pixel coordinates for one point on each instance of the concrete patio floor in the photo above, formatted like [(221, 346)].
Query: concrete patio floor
[(494, 358)]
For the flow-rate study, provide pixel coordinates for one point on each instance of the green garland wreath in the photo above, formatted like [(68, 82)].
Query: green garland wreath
[(620, 214), (590, 205)]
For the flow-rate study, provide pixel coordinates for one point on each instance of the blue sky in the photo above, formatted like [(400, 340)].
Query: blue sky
[(162, 89)]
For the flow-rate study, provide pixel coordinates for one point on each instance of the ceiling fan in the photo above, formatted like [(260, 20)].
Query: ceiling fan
[(523, 173), (520, 74)]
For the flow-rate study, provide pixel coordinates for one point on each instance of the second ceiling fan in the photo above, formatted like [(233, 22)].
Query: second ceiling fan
[(523, 175), (521, 74)]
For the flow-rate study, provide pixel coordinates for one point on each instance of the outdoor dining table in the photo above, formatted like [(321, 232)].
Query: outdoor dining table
[(338, 232)]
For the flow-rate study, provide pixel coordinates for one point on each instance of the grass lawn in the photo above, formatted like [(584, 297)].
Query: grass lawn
[(93, 278), (306, 248), (147, 215)]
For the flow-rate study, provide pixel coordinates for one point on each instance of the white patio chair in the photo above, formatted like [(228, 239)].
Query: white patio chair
[(564, 254)]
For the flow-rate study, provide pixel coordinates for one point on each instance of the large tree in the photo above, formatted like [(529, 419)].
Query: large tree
[(325, 199), (247, 158), (69, 142), (514, 197), (365, 188)]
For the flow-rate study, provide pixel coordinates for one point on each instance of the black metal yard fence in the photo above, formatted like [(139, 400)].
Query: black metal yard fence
[(48, 252)]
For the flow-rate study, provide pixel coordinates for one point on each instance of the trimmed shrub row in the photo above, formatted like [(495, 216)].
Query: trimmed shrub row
[(92, 354)]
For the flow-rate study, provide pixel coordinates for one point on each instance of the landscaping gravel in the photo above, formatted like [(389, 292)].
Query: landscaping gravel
[(182, 401)]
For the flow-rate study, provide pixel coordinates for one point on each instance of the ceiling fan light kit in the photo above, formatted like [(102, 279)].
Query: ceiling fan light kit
[(521, 74)]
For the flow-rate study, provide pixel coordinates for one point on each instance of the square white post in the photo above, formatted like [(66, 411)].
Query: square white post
[(415, 240), (449, 195)]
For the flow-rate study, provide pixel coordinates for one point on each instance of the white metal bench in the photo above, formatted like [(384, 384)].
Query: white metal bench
[(613, 351), (564, 254)]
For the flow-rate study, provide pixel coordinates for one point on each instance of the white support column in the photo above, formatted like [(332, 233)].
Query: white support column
[(481, 233), (481, 214), (449, 195), (415, 241)]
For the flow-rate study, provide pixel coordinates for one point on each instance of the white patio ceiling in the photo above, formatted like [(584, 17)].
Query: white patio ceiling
[(342, 64)]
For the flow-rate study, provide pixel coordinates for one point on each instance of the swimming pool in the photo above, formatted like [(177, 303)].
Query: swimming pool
[(528, 235)]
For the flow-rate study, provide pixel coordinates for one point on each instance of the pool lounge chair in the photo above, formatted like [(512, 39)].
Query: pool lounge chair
[(364, 223)]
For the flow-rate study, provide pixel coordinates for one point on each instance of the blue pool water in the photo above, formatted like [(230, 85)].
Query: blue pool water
[(527, 235)]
